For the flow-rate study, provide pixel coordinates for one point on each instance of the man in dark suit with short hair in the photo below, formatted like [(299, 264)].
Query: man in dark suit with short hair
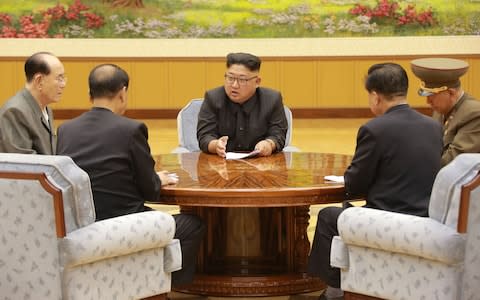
[(241, 115), (114, 151), (397, 157)]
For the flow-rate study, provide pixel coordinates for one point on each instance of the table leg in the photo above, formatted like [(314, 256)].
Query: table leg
[(271, 262)]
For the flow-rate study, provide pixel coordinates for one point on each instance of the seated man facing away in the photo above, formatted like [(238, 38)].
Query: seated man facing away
[(114, 151), (397, 157), (241, 116)]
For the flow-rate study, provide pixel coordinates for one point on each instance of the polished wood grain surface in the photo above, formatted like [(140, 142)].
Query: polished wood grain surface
[(283, 179)]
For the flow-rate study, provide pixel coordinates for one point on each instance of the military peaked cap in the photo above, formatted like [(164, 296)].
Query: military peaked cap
[(438, 74)]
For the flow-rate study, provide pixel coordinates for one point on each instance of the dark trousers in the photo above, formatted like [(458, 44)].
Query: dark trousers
[(190, 231), (319, 259)]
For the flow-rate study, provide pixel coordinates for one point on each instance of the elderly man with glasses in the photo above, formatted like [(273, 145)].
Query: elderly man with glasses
[(26, 121), (457, 111), (241, 116)]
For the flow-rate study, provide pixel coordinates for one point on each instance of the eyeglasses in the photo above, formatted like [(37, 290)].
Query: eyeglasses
[(241, 81), (61, 79)]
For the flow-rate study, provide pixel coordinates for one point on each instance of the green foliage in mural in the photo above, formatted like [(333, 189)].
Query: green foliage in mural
[(237, 18)]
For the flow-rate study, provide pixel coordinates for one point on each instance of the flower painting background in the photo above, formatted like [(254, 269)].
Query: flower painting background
[(236, 18)]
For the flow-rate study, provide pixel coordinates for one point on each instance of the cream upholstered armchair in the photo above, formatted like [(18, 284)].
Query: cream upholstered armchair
[(396, 256), (187, 120), (52, 248)]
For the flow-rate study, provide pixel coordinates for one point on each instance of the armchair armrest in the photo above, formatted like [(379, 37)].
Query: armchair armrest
[(172, 256), (401, 233), (117, 236)]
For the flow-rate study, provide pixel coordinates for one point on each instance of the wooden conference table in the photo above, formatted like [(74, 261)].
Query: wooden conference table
[(256, 212)]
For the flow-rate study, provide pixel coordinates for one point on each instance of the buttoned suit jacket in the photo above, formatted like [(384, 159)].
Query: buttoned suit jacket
[(461, 129), (23, 128)]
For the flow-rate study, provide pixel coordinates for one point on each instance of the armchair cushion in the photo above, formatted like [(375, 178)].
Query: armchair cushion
[(401, 233), (116, 237)]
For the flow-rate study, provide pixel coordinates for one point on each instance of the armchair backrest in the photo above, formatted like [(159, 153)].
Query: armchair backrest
[(445, 198), (187, 120), (74, 183)]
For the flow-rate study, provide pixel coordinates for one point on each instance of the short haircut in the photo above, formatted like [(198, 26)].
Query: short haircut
[(388, 79), (248, 60), (106, 80), (36, 64)]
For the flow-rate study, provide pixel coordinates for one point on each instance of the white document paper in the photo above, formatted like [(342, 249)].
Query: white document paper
[(335, 178), (240, 155)]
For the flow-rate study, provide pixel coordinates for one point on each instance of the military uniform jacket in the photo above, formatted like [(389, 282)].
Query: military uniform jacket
[(23, 129), (461, 128)]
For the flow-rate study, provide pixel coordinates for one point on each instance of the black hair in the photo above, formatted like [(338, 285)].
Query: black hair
[(248, 60), (36, 64), (388, 79), (106, 80)]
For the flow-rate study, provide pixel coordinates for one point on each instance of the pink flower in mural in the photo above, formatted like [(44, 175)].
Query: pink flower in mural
[(93, 20), (57, 12)]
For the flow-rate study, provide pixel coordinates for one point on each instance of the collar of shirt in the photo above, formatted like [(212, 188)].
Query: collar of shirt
[(247, 106)]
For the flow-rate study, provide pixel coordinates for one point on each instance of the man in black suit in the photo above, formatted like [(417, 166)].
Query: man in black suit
[(114, 151), (397, 157), (241, 115)]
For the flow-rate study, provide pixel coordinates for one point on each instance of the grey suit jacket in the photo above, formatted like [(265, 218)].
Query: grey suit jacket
[(23, 129)]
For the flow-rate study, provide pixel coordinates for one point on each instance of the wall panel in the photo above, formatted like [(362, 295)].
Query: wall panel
[(271, 73), (214, 75), (8, 79), (75, 95), (150, 84), (336, 80), (186, 81), (308, 84), (298, 83)]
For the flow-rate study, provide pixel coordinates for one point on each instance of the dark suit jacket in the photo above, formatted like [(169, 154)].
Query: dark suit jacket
[(114, 151), (462, 131), (23, 129), (261, 117), (396, 160)]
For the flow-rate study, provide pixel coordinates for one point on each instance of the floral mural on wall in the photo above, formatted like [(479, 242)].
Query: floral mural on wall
[(236, 18)]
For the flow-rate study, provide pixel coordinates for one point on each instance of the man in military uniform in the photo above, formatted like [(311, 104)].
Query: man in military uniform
[(458, 111)]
